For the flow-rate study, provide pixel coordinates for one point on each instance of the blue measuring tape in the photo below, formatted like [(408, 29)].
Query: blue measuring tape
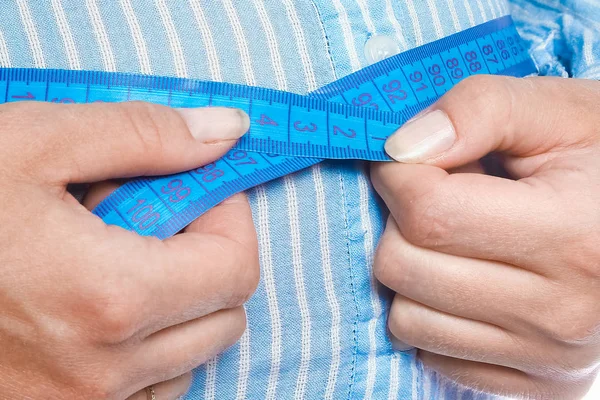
[(349, 118)]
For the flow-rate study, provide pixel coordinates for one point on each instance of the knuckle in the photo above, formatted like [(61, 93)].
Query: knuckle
[(383, 263), (240, 323), (106, 383), (578, 320), (143, 122), (186, 381), (245, 276), (573, 362), (116, 323), (111, 314), (105, 386), (235, 322), (483, 93), (425, 222), (389, 265), (400, 322), (577, 332), (30, 146)]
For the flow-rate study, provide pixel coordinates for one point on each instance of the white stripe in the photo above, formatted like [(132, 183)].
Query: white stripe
[(469, 10), (588, 54), (362, 4), (4, 54), (347, 33), (500, 6), (32, 34), (389, 10), (273, 44), (138, 38), (591, 73), (460, 391), (209, 42), (242, 43), (415, 378), (266, 262), (65, 33), (394, 381), (441, 388), (369, 246), (493, 9), (294, 219), (482, 10), (244, 365), (211, 378), (108, 57), (174, 41), (332, 299), (454, 15), (307, 66), (437, 24), (426, 384), (414, 18)]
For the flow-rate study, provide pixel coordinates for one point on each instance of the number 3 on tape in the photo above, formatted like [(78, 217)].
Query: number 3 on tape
[(349, 118)]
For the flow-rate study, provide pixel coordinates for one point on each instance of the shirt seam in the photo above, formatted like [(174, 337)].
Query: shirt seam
[(327, 40), (352, 288)]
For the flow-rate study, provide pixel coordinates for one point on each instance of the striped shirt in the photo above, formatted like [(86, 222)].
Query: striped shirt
[(317, 323)]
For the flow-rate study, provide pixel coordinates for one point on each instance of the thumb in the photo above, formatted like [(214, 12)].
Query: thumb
[(518, 117), (94, 142)]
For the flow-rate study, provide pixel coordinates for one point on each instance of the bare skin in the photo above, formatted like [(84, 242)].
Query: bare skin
[(90, 311), (498, 280)]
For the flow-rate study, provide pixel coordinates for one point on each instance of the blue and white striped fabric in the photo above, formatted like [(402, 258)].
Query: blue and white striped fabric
[(317, 323)]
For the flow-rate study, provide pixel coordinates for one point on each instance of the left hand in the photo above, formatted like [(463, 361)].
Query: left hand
[(498, 280)]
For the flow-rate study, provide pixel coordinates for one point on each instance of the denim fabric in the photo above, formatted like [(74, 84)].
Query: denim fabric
[(317, 323)]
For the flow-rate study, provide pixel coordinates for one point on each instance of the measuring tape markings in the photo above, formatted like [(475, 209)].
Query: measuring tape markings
[(403, 85), (349, 118)]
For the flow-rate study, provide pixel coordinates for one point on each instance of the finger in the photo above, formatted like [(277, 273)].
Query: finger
[(472, 168), (232, 212), (180, 348), (503, 381), (212, 265), (93, 142), (156, 284), (511, 298), (492, 113), (172, 389), (473, 215), (425, 328)]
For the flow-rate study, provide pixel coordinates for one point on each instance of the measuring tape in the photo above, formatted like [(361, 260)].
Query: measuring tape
[(349, 118)]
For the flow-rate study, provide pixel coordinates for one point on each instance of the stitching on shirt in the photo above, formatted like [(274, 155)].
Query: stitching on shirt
[(355, 325), (327, 41), (419, 395)]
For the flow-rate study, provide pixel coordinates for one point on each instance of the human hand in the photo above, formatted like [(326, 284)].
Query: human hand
[(498, 280), (90, 311)]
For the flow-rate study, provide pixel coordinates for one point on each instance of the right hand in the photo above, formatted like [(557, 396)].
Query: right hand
[(90, 311)]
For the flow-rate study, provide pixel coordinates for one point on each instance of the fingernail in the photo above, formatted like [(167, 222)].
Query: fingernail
[(399, 345), (211, 124), (421, 138)]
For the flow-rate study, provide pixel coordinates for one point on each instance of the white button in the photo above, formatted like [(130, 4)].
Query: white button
[(379, 48)]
